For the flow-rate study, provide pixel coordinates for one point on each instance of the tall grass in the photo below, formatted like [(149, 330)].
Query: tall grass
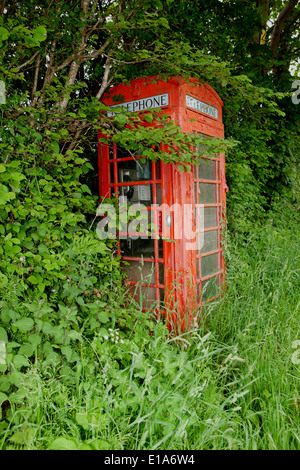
[(260, 316), (232, 383)]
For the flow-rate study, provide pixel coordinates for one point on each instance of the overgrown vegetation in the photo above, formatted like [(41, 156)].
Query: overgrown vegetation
[(232, 383), (80, 365)]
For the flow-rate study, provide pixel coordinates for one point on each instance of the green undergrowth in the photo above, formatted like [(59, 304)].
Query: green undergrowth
[(123, 382)]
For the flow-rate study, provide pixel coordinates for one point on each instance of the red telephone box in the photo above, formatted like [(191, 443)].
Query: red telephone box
[(181, 267)]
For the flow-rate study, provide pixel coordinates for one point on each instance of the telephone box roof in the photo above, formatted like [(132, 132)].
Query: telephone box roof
[(175, 93)]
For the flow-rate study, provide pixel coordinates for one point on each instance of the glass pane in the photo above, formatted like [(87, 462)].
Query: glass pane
[(161, 273), (112, 177), (148, 297), (144, 296), (210, 217), (209, 241), (196, 192), (122, 153), (208, 193), (160, 248), (141, 193), (207, 169), (209, 265), (210, 288), (195, 169), (138, 271), (138, 248), (111, 150), (131, 170), (158, 170), (198, 293), (198, 268), (158, 194)]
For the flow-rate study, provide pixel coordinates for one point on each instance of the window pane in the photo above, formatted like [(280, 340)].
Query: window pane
[(209, 265), (138, 248), (140, 271), (207, 169), (158, 194), (111, 150), (112, 176), (210, 288), (141, 193), (198, 268), (208, 193), (210, 217), (209, 241), (158, 170), (161, 273), (131, 170), (144, 296), (122, 153), (160, 248)]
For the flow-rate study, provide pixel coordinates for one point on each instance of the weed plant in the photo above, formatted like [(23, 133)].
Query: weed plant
[(231, 383)]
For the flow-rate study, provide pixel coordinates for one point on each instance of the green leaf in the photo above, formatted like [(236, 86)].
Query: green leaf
[(3, 397), (2, 352), (27, 349), (3, 335), (100, 444), (20, 361), (54, 147), (103, 317), (3, 280), (33, 279), (67, 351), (40, 33), (83, 420), (4, 34), (25, 324), (121, 119), (148, 117), (23, 437), (4, 197), (63, 443)]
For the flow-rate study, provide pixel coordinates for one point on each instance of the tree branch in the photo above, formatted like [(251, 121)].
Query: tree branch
[(2, 6), (35, 79), (105, 81), (27, 61), (281, 19)]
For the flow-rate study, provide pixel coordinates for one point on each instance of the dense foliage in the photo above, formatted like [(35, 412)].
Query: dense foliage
[(62, 306)]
